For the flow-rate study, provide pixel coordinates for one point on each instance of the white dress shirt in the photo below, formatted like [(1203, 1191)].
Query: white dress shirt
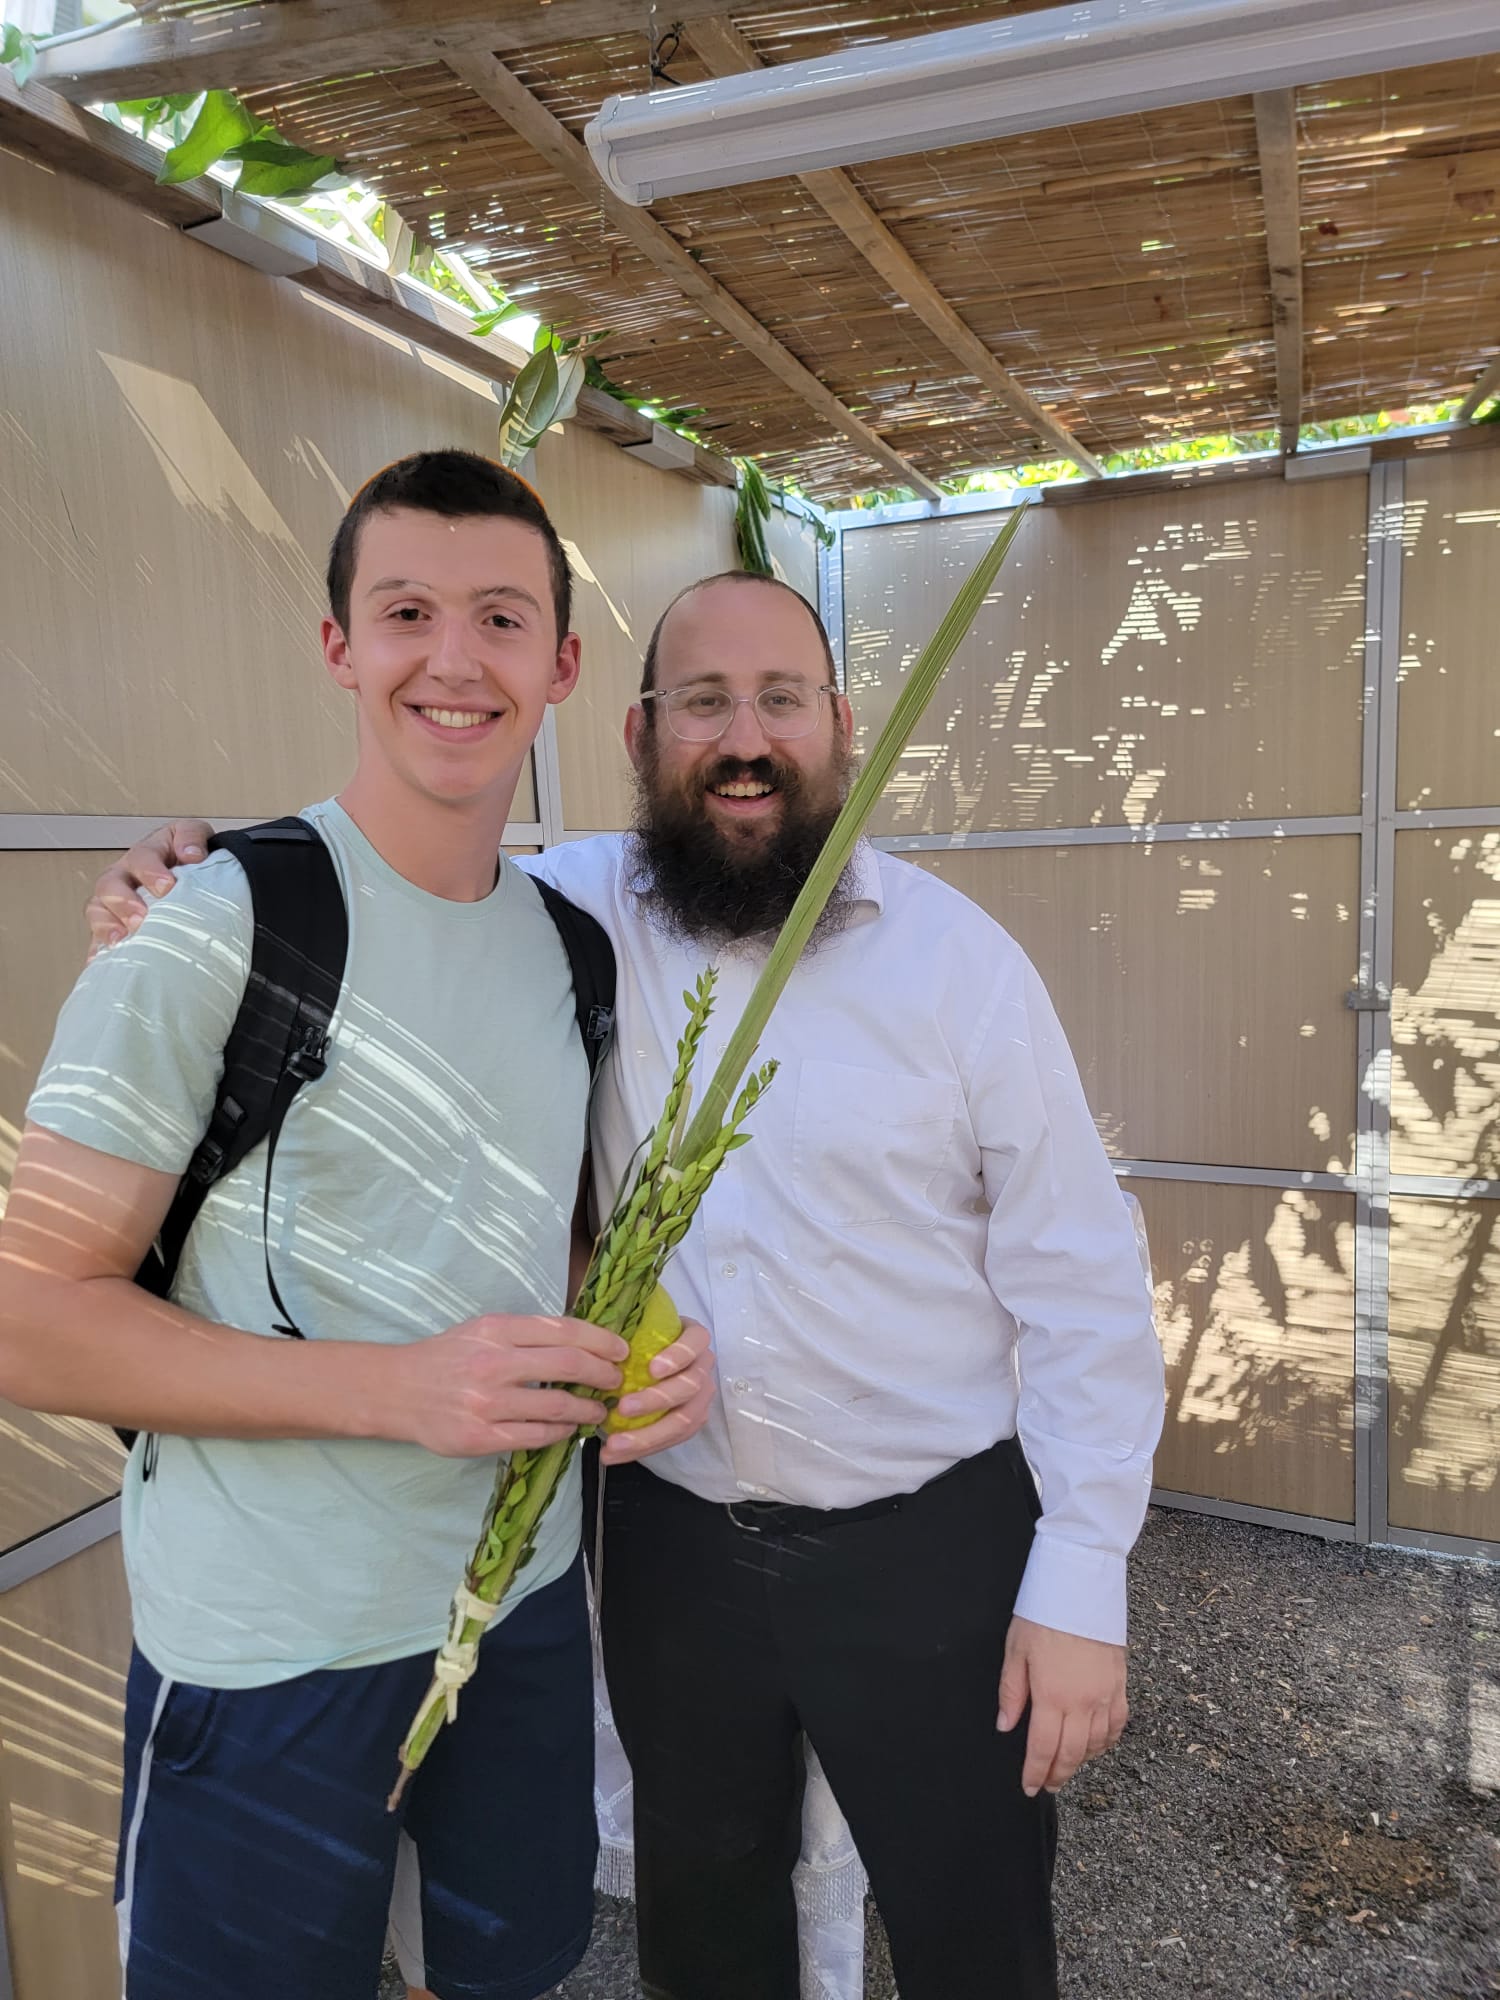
[(923, 1248)]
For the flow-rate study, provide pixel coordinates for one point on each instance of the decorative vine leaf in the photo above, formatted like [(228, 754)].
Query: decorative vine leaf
[(275, 167), (222, 124), (543, 394), (532, 395), (751, 512), (486, 322), (17, 52)]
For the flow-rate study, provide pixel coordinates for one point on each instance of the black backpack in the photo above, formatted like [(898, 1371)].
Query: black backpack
[(279, 1040)]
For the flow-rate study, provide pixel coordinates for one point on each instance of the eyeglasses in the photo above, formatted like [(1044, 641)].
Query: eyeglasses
[(703, 714)]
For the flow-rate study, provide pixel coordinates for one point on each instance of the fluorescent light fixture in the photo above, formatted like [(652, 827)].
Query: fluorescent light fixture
[(248, 231), (1060, 66)]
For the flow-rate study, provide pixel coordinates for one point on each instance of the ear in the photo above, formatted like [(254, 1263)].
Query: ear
[(566, 668), (844, 715), (336, 653), (635, 733)]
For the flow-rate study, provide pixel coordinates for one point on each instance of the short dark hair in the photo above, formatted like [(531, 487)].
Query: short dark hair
[(460, 485), (648, 665)]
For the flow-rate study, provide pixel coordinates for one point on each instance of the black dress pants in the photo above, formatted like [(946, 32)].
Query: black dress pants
[(881, 1638)]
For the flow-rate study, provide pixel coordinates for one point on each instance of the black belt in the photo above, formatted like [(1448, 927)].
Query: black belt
[(775, 1517)]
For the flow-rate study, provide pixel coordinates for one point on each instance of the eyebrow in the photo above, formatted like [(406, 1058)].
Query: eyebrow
[(768, 677), (508, 590)]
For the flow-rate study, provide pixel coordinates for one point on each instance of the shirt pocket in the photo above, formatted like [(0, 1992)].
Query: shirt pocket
[(869, 1143)]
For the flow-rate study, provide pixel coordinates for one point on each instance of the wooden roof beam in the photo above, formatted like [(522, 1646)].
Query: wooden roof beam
[(1488, 385), (488, 78), (246, 48), (1276, 135), (726, 52)]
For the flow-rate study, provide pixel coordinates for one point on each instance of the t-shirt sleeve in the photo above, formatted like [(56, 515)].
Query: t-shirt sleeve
[(138, 1050)]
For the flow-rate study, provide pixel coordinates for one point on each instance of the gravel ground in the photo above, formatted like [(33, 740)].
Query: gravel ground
[(1307, 1803)]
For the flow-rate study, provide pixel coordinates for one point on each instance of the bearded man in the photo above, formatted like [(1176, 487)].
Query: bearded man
[(927, 1303)]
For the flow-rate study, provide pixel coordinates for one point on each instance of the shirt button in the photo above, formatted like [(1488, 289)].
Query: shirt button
[(740, 1386), (730, 1271)]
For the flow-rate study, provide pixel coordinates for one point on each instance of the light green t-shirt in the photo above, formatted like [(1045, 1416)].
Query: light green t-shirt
[(429, 1176)]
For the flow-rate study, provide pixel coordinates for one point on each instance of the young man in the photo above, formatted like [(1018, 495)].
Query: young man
[(293, 1542), (922, 1263)]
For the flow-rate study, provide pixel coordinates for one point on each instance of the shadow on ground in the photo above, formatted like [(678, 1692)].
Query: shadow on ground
[(1307, 1803)]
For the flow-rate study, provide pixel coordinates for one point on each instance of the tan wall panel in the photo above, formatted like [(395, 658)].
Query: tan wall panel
[(1255, 1308), (1201, 984), (1170, 657), (1445, 1367), (65, 1640), (1449, 714), (50, 1467), (1445, 1013), (178, 438)]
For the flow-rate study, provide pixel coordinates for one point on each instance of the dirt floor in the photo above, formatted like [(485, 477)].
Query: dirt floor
[(1307, 1803)]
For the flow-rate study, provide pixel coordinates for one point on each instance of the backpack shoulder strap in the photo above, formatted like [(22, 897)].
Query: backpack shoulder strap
[(279, 1039), (591, 958)]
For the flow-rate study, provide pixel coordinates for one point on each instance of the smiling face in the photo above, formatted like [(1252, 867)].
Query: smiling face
[(741, 635), (729, 829), (452, 653)]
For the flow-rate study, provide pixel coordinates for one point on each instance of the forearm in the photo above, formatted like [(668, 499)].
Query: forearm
[(104, 1349)]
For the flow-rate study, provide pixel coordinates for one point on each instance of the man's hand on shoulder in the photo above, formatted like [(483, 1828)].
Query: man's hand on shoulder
[(115, 909), (1076, 1688)]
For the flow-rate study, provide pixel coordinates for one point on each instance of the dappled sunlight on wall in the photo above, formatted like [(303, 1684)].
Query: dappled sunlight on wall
[(64, 1648), (1445, 1014), (1173, 658), (50, 1467), (1187, 975), (1449, 752), (178, 439), (1255, 1308), (1445, 1366)]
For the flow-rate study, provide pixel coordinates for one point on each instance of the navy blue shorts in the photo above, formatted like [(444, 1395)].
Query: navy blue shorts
[(258, 1861)]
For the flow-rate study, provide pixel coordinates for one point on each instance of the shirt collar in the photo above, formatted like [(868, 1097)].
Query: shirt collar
[(865, 884)]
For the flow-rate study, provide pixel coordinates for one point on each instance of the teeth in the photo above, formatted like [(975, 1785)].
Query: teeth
[(454, 718), (755, 791)]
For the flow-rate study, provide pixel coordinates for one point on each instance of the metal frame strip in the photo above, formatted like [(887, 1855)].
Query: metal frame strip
[(52, 1546), (1461, 1546), (1259, 1517), (1443, 816), (831, 601), (1268, 1177), (932, 510), (1448, 1187), (547, 772), (1373, 1136), (1122, 836)]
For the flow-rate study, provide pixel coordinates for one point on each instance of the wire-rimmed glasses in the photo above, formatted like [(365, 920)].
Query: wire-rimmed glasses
[(701, 712)]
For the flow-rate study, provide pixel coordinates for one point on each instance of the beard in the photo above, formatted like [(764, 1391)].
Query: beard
[(701, 882)]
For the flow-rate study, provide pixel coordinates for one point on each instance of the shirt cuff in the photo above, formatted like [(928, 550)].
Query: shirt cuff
[(1074, 1589)]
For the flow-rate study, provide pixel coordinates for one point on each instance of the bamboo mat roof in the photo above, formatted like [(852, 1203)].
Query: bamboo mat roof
[(1118, 270)]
